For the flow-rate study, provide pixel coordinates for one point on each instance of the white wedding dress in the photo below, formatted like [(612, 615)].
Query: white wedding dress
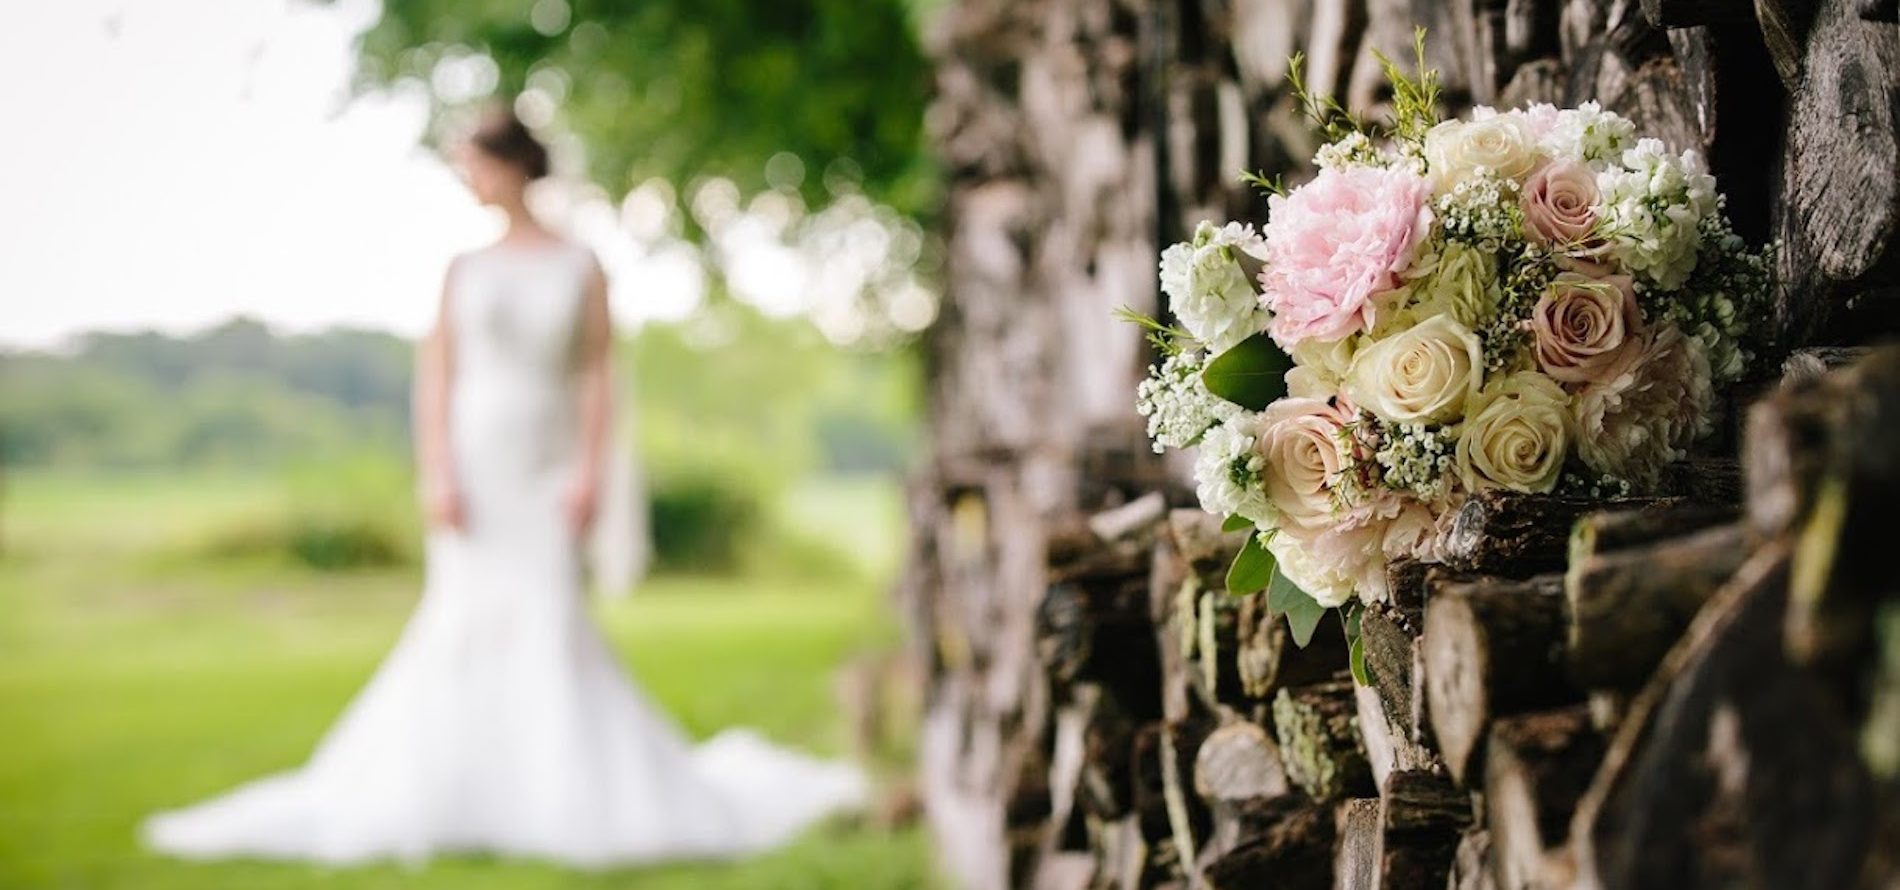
[(501, 721)]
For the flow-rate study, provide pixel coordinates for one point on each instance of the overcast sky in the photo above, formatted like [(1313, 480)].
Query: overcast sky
[(172, 164)]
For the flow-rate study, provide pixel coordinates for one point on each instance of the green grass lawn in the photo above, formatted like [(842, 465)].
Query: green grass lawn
[(132, 679)]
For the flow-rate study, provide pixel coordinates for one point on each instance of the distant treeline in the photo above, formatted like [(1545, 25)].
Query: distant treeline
[(235, 394), (727, 392)]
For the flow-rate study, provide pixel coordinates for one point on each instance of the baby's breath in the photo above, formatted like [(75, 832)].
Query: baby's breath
[(1417, 458), (1482, 211)]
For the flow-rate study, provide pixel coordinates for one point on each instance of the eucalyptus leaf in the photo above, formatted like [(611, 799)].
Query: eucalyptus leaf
[(1252, 570), (1251, 375), (1361, 674), (1302, 612)]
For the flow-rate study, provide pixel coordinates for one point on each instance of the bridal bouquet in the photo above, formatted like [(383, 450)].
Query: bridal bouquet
[(1537, 300)]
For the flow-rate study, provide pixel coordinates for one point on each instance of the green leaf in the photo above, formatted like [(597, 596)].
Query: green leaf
[(1252, 570), (1250, 375), (1360, 673), (1236, 523), (1302, 612)]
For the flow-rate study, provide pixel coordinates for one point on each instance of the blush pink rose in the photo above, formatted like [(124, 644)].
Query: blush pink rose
[(1582, 327), (1334, 243), (1303, 443), (1559, 203)]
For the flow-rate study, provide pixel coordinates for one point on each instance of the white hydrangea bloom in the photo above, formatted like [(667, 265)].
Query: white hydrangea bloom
[(1227, 471), (1210, 293), (1177, 404), (1587, 133), (1652, 206)]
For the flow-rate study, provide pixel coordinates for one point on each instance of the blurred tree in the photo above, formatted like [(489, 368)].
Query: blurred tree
[(816, 96)]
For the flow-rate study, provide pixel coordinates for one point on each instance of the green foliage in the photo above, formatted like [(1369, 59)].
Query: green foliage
[(338, 514), (1251, 375), (233, 395), (680, 89), (701, 522), (1302, 612), (1350, 617), (1414, 99), (1252, 570), (1326, 114)]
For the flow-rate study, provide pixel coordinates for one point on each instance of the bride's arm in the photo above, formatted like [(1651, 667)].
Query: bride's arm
[(596, 395), (435, 369)]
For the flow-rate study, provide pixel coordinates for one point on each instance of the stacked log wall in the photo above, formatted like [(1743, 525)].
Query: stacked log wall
[(1590, 694)]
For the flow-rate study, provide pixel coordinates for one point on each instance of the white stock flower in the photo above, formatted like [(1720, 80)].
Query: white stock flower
[(1517, 435), (1423, 374), (1209, 291), (1587, 133), (1652, 206), (1227, 471)]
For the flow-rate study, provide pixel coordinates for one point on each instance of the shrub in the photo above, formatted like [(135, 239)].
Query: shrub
[(702, 521)]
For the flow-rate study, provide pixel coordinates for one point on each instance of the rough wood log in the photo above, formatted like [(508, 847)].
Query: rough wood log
[(1810, 364), (1188, 819), (1471, 863), (1707, 481), (1238, 761), (1733, 768), (1513, 535), (1390, 638), (1267, 659), (1148, 785), (1879, 10), (1537, 767), (1293, 849), (1610, 530), (1105, 782), (1098, 630), (1840, 200), (1844, 419), (1690, 13), (1628, 606), (1491, 648), (1848, 476), (1361, 845), (1316, 726), (1784, 30), (1423, 802)]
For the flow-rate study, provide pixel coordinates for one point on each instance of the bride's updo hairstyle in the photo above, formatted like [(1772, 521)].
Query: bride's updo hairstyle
[(502, 136)]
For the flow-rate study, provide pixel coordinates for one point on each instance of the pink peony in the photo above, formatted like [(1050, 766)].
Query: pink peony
[(1334, 243)]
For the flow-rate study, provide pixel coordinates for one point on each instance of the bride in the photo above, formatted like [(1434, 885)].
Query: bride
[(501, 722)]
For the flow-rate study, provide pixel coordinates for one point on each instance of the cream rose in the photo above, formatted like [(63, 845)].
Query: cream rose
[(1501, 144), (1582, 326), (1423, 374), (1559, 203), (1302, 442), (1517, 436)]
